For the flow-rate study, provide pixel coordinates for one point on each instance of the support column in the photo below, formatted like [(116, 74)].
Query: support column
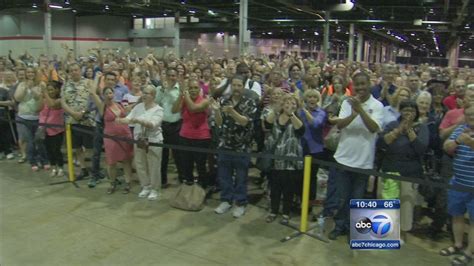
[(366, 52), (326, 36), (74, 34), (360, 43), (453, 52), (244, 39), (47, 29), (350, 54), (176, 41), (378, 52), (226, 41)]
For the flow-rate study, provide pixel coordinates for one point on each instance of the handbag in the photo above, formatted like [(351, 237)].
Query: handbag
[(331, 140), (142, 141), (189, 197)]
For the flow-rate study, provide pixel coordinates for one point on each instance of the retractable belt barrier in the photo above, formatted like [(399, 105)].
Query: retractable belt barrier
[(368, 172)]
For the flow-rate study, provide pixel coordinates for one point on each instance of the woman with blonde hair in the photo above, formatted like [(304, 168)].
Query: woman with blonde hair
[(314, 119), (147, 117), (30, 102), (423, 102), (287, 129)]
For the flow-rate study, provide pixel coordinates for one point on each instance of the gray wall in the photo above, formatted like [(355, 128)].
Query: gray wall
[(64, 25)]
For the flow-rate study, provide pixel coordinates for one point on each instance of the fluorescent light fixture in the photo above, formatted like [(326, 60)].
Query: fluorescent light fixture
[(192, 11), (304, 29), (236, 12), (107, 7), (34, 5), (55, 6), (183, 2), (75, 11), (210, 12), (164, 14), (66, 2), (283, 20), (269, 33), (316, 33), (299, 9)]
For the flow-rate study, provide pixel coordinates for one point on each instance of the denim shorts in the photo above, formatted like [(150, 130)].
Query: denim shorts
[(459, 202)]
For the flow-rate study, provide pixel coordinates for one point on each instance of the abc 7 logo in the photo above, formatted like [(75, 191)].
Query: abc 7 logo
[(379, 225)]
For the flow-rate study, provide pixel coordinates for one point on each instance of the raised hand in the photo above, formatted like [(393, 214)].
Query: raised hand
[(214, 104)]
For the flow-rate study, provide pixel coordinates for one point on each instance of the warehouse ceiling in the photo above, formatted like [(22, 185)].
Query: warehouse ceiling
[(391, 21)]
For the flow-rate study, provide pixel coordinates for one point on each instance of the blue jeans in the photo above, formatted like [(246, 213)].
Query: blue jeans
[(35, 152), (331, 203), (233, 190), (97, 150), (349, 185)]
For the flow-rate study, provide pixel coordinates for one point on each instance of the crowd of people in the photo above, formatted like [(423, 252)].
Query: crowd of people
[(414, 121)]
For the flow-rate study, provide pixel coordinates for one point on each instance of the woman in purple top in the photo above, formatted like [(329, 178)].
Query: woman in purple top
[(313, 118)]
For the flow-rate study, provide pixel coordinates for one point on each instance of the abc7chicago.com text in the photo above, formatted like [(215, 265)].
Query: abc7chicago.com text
[(374, 245)]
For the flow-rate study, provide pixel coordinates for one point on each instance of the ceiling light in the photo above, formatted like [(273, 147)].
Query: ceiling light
[(412, 34), (66, 2), (55, 6), (270, 33), (467, 26), (192, 11), (34, 5), (74, 11), (165, 15), (210, 12), (236, 12), (371, 11), (107, 7), (299, 9), (183, 2), (316, 33), (279, 11), (304, 29)]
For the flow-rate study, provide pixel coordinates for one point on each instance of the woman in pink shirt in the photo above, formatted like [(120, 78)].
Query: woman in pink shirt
[(194, 130), (52, 113)]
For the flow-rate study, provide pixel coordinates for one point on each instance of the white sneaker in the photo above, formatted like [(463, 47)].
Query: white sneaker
[(223, 207), (10, 156), (238, 212), (53, 173), (144, 193), (153, 195), (60, 172)]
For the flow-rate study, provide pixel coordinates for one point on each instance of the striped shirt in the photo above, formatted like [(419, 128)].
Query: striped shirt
[(463, 164)]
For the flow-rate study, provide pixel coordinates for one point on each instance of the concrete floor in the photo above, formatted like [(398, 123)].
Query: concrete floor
[(64, 225)]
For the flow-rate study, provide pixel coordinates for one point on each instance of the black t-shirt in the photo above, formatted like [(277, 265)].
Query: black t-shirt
[(4, 96)]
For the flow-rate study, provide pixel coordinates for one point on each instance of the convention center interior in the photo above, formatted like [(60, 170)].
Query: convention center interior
[(236, 132)]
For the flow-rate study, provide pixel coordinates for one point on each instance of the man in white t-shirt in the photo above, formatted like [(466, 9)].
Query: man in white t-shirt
[(359, 121)]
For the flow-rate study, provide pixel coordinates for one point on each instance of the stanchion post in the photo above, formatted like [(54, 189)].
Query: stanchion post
[(70, 160), (305, 200)]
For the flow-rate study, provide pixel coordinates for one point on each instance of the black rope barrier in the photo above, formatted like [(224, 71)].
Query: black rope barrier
[(367, 172)]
